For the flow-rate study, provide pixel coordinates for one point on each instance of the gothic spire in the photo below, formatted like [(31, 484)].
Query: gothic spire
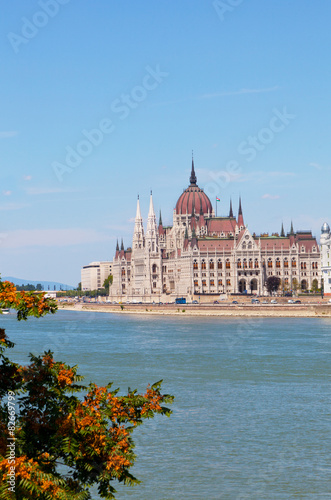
[(151, 230), (160, 220), (138, 214), (292, 230), (122, 245), (138, 232), (240, 215), (117, 247), (231, 211), (151, 212), (193, 178), (282, 233)]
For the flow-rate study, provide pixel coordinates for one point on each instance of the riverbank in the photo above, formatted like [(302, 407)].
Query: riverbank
[(226, 310)]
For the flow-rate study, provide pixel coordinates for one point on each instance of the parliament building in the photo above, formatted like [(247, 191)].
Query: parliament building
[(202, 254)]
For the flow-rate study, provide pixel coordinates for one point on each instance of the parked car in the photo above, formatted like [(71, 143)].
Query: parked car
[(216, 302), (273, 301), (291, 301), (195, 302), (297, 302), (255, 301), (234, 302)]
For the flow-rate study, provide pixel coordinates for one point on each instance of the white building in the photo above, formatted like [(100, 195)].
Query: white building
[(325, 245), (94, 274)]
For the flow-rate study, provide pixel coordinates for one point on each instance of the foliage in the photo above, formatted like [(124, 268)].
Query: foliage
[(88, 437), (314, 286), (273, 283), (108, 282), (26, 288), (80, 293)]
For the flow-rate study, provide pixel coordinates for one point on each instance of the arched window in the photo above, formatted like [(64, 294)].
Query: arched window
[(227, 264), (154, 268), (250, 264), (294, 262), (211, 264), (285, 263), (203, 265), (239, 264), (195, 264), (277, 263), (256, 264), (219, 264), (245, 264), (123, 271), (269, 263)]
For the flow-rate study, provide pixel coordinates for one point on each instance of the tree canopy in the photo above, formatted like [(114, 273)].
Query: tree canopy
[(108, 282), (63, 444), (273, 283)]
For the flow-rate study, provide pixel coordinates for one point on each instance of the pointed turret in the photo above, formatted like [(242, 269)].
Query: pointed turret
[(151, 231), (122, 245), (117, 250), (231, 211), (240, 215), (138, 240), (292, 230), (138, 213), (193, 178), (194, 241), (161, 230), (186, 242), (282, 233)]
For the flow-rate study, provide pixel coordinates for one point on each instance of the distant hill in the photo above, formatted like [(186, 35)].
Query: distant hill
[(44, 284)]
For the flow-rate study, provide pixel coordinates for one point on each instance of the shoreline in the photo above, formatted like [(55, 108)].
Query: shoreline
[(240, 311)]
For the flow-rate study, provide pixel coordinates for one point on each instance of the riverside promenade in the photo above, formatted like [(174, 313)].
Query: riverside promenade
[(307, 309)]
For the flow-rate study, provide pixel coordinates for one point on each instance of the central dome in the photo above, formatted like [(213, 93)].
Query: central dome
[(193, 199)]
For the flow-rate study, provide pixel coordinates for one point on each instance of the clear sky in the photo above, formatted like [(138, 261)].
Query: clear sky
[(102, 100)]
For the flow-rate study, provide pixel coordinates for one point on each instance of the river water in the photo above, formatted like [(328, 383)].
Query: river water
[(251, 418)]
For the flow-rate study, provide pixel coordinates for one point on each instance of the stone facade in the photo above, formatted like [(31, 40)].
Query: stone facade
[(204, 254), (325, 243)]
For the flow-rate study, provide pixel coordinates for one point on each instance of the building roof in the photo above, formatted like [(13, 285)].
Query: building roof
[(193, 199)]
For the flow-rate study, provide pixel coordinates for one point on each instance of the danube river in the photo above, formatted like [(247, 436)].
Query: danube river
[(251, 417)]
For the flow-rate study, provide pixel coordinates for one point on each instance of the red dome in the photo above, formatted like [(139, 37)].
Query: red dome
[(193, 200)]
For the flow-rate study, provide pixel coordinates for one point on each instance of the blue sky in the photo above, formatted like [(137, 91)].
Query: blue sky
[(245, 84)]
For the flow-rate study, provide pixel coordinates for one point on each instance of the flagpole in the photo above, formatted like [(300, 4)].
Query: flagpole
[(216, 204)]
